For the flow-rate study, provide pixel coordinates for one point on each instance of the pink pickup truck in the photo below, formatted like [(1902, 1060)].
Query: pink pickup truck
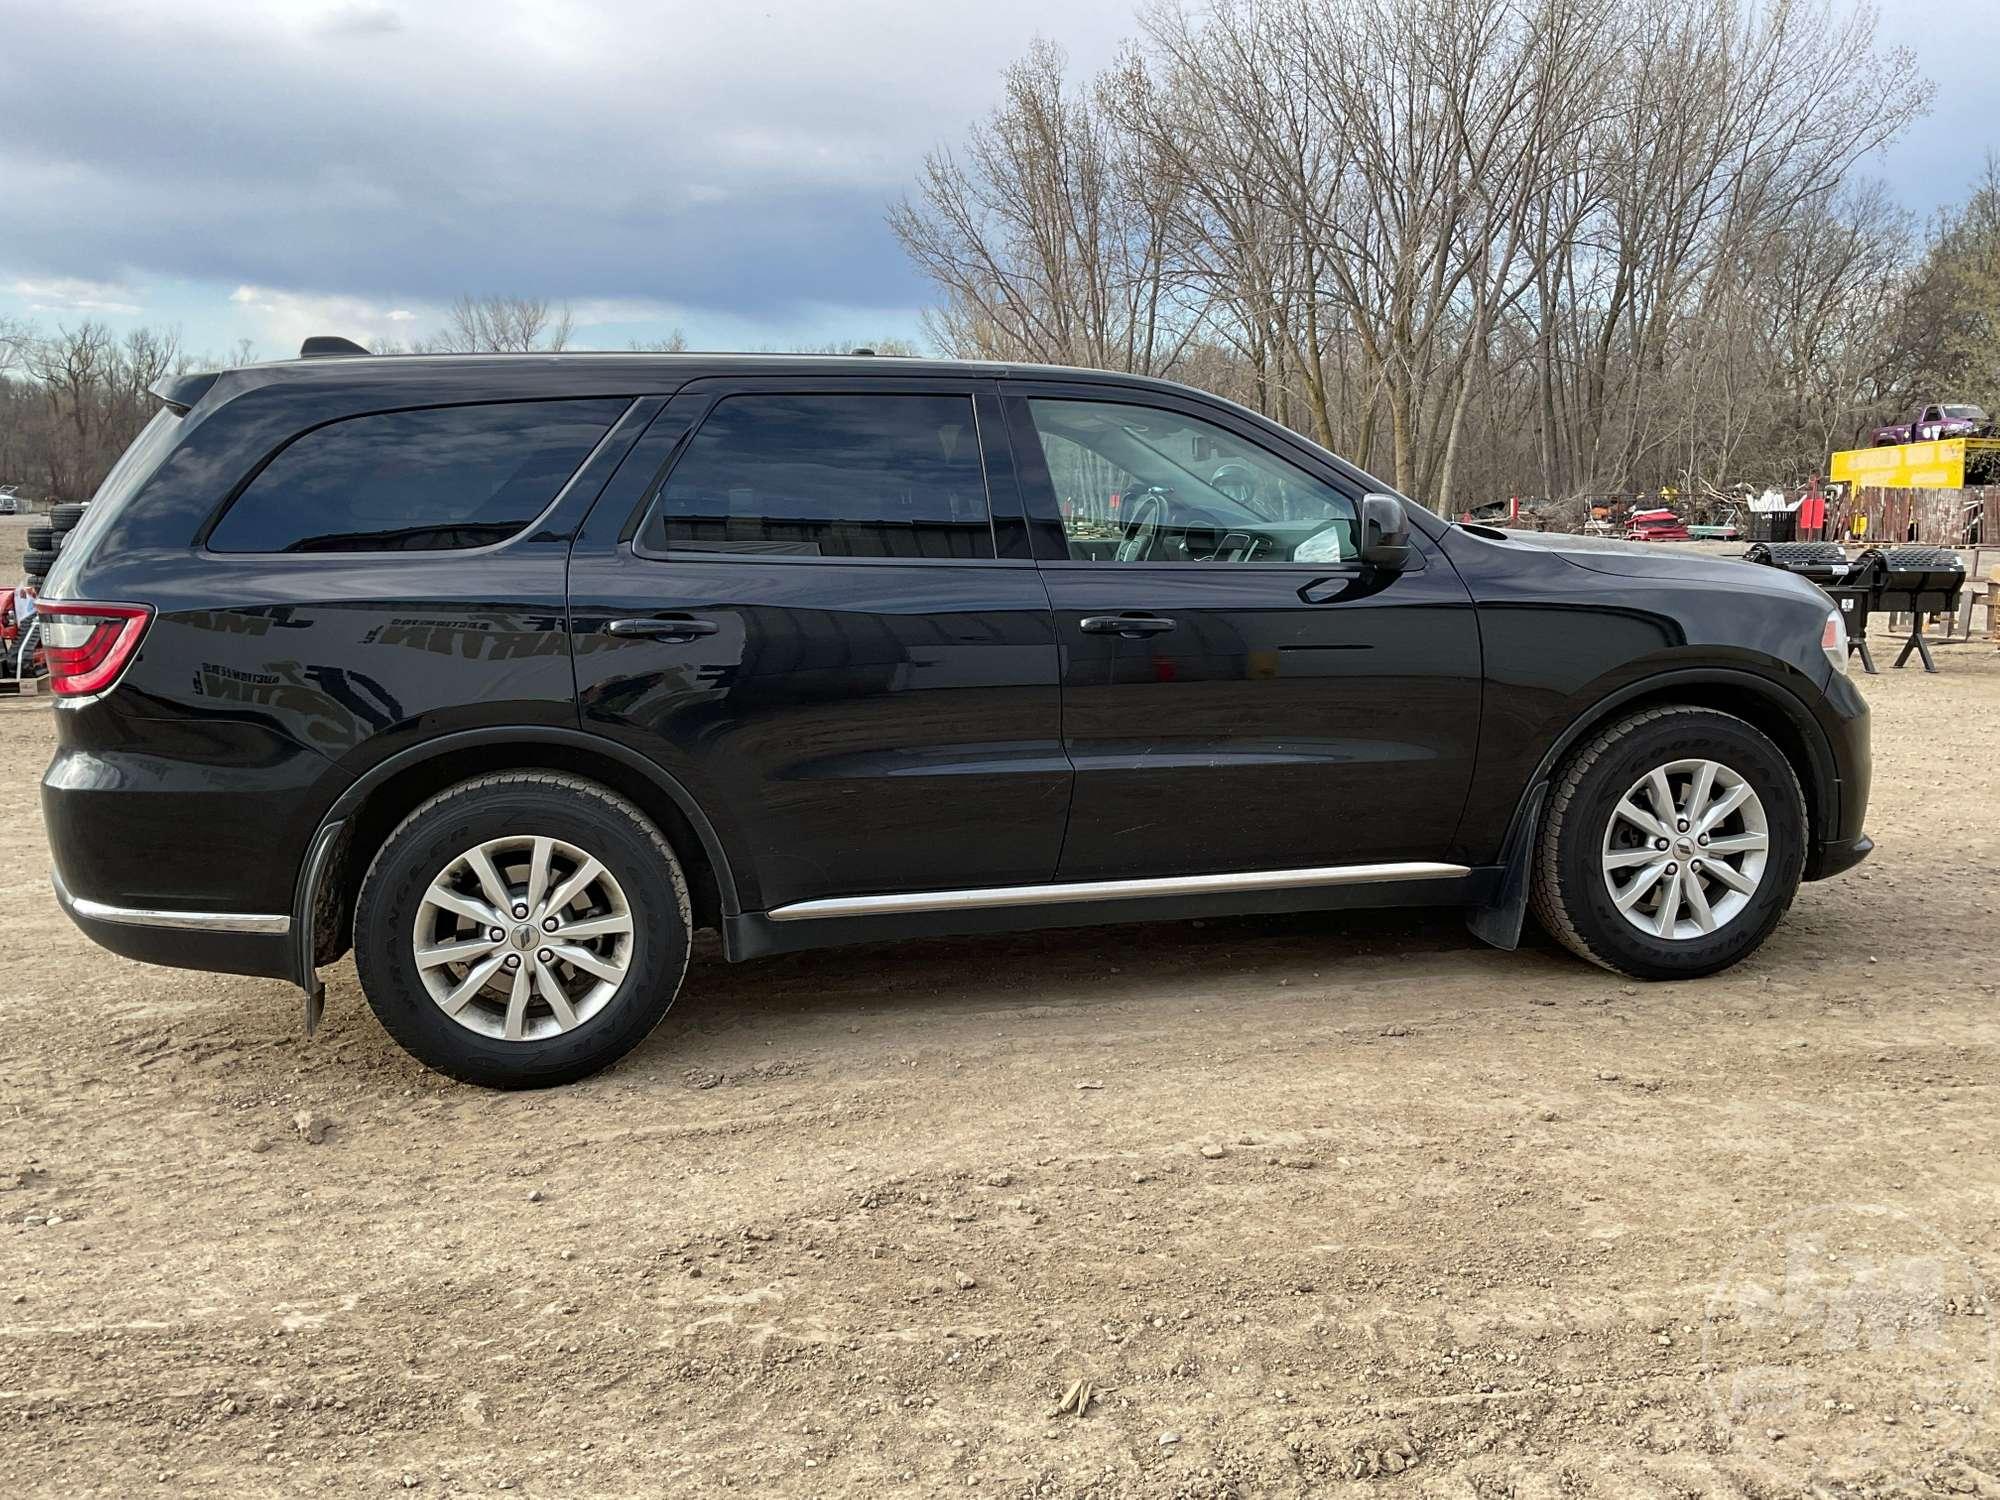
[(1928, 423)]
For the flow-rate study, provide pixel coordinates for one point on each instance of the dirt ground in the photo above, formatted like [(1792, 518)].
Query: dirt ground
[(1317, 1204)]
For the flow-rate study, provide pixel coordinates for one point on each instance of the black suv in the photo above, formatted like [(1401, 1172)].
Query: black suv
[(512, 671)]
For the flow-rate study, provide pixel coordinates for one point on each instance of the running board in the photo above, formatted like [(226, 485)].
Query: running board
[(992, 897)]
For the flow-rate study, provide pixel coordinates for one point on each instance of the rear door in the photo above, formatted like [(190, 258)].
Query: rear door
[(821, 616), (1240, 693)]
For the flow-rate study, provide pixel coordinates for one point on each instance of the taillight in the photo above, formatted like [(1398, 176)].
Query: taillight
[(86, 646)]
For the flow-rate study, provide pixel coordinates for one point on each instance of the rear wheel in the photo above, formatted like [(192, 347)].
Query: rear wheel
[(1674, 842), (522, 930)]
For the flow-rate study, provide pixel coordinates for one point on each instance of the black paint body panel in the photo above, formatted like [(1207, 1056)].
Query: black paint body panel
[(864, 726)]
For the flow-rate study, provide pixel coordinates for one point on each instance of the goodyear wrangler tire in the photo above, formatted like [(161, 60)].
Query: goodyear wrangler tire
[(522, 929), (1674, 841)]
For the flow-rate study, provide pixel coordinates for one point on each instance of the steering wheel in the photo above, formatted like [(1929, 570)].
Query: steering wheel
[(1237, 481), (1142, 530)]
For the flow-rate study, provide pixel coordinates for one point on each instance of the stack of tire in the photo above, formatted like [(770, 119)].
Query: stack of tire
[(45, 541)]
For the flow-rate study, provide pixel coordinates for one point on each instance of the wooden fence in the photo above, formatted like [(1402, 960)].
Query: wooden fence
[(1937, 518)]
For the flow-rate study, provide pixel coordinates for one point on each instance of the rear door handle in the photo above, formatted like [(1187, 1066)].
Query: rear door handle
[(1131, 626), (663, 628)]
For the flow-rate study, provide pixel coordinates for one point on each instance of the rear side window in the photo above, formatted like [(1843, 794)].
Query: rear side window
[(828, 476), (438, 479)]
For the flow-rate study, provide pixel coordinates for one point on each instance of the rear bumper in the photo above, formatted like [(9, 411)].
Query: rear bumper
[(221, 942)]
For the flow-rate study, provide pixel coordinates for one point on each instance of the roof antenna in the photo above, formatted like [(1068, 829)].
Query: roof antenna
[(322, 345), (863, 353)]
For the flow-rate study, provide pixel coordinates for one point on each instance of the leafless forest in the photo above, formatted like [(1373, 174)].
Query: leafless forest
[(1554, 248), (1483, 247)]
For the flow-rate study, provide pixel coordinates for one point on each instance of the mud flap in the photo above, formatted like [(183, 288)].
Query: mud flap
[(305, 909), (315, 990), (1499, 921)]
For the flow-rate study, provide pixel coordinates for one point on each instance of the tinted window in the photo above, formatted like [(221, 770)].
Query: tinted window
[(1141, 484), (442, 478), (829, 476)]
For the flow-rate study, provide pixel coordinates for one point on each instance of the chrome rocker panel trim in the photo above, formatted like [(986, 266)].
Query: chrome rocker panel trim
[(1111, 890), (185, 921)]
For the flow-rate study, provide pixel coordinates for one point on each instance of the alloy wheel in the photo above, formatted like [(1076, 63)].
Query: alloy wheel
[(1685, 849), (523, 938)]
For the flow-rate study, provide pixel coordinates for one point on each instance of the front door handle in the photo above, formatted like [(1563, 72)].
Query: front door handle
[(663, 628), (1131, 626)]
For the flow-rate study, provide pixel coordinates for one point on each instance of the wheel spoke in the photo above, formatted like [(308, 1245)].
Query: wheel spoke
[(1662, 796), (1638, 817), (517, 1005), (1735, 879), (443, 895), (471, 985), (1739, 843), (550, 988), (1670, 909), (1624, 859), (451, 953), (538, 872), (1701, 790), (489, 879), (608, 925), (1643, 882), (1697, 900), (588, 961), (571, 888), (1723, 806)]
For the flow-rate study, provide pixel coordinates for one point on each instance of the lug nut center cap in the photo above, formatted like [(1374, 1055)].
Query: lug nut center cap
[(523, 937)]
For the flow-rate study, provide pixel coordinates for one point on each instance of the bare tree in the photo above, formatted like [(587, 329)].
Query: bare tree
[(1554, 245), (505, 325)]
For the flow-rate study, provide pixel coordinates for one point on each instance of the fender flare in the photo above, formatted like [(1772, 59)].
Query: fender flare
[(1499, 922), (334, 823)]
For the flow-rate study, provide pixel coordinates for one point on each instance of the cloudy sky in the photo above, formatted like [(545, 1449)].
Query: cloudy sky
[(266, 169)]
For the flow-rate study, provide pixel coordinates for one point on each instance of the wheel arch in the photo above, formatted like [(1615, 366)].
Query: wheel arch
[(1766, 705), (363, 816)]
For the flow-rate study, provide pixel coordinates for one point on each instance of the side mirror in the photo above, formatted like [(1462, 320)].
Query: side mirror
[(1385, 533)]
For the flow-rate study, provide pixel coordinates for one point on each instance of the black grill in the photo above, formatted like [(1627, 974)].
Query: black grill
[(1916, 581), (1823, 563)]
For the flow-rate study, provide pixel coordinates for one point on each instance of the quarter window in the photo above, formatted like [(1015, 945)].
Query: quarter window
[(1141, 484), (829, 476), (437, 479)]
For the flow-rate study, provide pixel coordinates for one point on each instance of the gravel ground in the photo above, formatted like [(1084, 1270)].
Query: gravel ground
[(1316, 1204)]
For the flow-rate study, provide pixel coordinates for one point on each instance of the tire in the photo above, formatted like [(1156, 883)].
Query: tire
[(610, 1012), (64, 517), (42, 538), (1571, 890), (36, 563)]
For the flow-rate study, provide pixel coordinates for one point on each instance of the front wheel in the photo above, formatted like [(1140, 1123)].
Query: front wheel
[(522, 929), (1674, 842)]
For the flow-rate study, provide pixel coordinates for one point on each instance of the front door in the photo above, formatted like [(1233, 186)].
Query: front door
[(810, 618), (1239, 692)]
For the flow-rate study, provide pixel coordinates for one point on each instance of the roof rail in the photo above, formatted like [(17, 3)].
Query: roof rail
[(324, 345)]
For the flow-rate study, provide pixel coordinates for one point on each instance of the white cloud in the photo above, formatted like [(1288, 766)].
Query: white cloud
[(284, 320), (62, 294)]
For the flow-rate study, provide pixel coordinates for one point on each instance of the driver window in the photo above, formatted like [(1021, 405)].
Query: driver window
[(1140, 484)]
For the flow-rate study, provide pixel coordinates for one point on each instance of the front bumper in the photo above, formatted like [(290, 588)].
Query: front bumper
[(221, 942), (1841, 854)]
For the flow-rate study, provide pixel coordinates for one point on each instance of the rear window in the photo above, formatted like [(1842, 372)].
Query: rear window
[(829, 477), (438, 479), (135, 466)]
